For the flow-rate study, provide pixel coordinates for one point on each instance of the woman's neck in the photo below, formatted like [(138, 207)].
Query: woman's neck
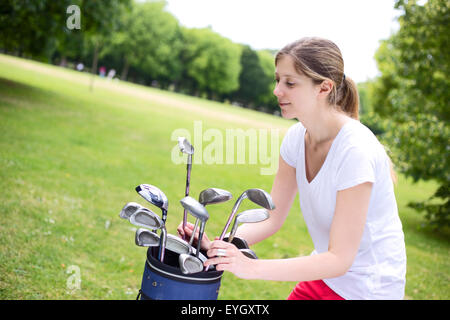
[(324, 126)]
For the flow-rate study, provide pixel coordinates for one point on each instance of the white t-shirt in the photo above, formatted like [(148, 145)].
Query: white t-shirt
[(355, 157)]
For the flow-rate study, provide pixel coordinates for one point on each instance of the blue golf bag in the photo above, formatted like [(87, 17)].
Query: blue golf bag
[(165, 281)]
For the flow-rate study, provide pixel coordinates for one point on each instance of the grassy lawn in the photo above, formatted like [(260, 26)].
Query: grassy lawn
[(70, 159)]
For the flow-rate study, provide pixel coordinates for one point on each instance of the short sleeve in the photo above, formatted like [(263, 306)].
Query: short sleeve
[(290, 146), (356, 166)]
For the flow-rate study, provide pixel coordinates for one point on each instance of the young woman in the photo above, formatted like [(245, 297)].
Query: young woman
[(343, 176)]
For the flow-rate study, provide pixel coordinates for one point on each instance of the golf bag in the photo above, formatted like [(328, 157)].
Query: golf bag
[(165, 281)]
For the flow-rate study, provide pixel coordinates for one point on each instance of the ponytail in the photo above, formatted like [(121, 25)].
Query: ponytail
[(347, 97)]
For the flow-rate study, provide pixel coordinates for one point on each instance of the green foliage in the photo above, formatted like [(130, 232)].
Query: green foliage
[(413, 93), (212, 62), (149, 40), (267, 60), (27, 26), (38, 27), (252, 79)]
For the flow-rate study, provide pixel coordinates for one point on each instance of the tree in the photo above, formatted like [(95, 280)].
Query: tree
[(149, 39), (36, 28), (30, 27), (268, 99), (252, 80), (413, 92), (211, 62)]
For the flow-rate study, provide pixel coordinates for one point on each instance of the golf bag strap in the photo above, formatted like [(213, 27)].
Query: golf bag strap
[(141, 293)]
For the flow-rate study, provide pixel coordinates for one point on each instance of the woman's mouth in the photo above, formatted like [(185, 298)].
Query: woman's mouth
[(283, 104)]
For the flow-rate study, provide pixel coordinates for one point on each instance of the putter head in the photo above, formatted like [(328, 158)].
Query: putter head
[(129, 209), (190, 264), (214, 195), (153, 195), (146, 238), (261, 198), (195, 208), (185, 146), (147, 219)]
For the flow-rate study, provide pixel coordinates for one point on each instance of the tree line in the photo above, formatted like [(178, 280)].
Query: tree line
[(143, 43), (406, 106)]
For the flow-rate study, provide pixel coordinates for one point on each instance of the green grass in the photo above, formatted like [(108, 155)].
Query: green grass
[(70, 159)]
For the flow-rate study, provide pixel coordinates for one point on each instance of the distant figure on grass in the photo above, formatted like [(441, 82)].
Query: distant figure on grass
[(345, 182)]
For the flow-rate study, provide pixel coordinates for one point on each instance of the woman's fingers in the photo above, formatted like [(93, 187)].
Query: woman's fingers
[(189, 227)]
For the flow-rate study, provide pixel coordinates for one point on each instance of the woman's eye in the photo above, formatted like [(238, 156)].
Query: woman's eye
[(290, 84)]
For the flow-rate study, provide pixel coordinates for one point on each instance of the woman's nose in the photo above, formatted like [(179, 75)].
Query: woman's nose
[(277, 91)]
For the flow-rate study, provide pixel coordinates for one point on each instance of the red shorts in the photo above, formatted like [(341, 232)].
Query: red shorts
[(313, 290)]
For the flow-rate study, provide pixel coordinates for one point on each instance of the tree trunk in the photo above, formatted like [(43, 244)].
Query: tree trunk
[(125, 69), (94, 67)]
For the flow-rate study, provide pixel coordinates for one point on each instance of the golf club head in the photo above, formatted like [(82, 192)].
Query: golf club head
[(249, 253), (214, 195), (195, 208), (258, 196), (129, 209), (261, 198), (252, 216), (177, 245), (190, 264), (153, 195), (146, 238), (238, 242), (248, 216), (185, 146), (146, 218)]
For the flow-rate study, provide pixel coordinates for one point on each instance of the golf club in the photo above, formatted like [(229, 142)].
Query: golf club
[(190, 264), (198, 211), (258, 196), (129, 209), (248, 216), (146, 238), (177, 245), (210, 196), (148, 219), (155, 196), (249, 253), (186, 147)]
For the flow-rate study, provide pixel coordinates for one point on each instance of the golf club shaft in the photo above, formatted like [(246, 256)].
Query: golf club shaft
[(194, 231), (188, 182), (200, 236), (230, 218), (162, 244)]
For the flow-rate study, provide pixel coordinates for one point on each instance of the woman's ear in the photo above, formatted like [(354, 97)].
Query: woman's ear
[(325, 88)]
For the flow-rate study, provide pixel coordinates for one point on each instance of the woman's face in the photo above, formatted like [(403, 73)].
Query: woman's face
[(296, 93)]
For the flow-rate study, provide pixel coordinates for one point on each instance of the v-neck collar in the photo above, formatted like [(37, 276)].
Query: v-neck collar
[(325, 163)]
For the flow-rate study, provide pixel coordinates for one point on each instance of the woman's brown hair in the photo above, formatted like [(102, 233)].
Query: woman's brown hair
[(321, 59)]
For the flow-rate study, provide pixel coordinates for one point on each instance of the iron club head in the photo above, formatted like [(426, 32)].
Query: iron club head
[(146, 238), (248, 216)]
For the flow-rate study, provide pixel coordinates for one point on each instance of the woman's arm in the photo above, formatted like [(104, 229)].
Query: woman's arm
[(345, 236), (283, 192)]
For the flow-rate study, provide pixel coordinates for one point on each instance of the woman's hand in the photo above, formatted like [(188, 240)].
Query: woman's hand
[(188, 230), (227, 257)]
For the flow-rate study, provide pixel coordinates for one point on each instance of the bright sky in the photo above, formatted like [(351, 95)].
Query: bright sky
[(356, 26)]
